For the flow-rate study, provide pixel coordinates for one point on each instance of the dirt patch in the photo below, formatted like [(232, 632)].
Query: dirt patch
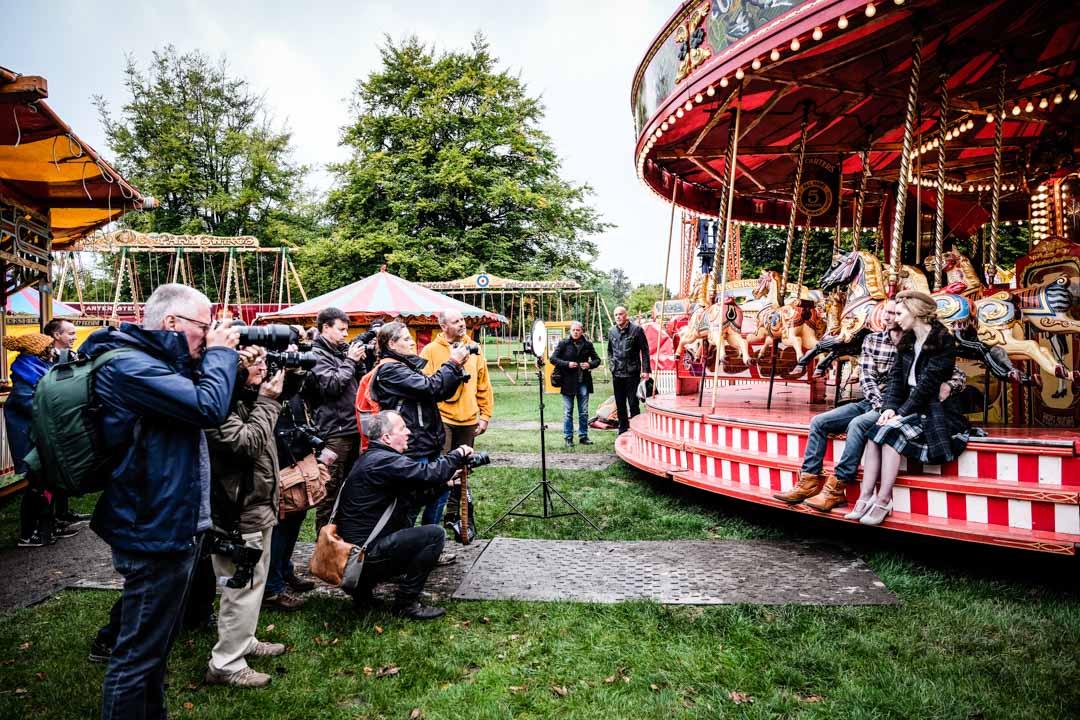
[(558, 461)]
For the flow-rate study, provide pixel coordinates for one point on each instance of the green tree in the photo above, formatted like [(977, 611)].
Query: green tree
[(450, 173), (643, 297), (204, 145), (620, 286)]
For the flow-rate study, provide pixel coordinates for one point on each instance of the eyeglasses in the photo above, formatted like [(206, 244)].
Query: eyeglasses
[(201, 325)]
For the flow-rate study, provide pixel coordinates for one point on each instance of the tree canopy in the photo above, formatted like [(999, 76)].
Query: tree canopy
[(204, 145), (450, 173)]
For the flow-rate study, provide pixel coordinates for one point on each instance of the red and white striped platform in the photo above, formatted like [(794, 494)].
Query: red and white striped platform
[(1019, 487)]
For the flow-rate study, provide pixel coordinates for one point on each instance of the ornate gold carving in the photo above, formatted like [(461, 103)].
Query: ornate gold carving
[(691, 38)]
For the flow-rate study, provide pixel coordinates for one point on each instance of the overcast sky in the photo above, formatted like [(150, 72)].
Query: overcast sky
[(578, 55)]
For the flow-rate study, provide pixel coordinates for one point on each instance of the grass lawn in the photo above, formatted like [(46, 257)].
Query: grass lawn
[(979, 632)]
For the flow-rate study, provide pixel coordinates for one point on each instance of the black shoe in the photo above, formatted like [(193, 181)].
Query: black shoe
[(38, 539), (299, 585), (570, 443), (99, 652), (418, 611), (63, 530), (71, 517), (585, 441)]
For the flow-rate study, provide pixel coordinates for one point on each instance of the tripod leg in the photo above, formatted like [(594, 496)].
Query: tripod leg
[(572, 507), (513, 507)]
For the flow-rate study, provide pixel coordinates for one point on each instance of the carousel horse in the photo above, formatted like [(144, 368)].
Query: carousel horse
[(864, 307), (796, 323), (957, 269), (708, 324)]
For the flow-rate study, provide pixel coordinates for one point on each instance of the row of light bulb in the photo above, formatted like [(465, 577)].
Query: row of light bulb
[(956, 187), (954, 132), (1040, 212), (842, 23), (1044, 102)]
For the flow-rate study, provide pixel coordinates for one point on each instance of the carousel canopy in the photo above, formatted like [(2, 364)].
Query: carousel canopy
[(46, 167), (843, 67), (28, 302), (383, 296)]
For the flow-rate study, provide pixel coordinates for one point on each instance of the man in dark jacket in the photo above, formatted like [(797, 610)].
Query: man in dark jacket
[(576, 358), (385, 474), (628, 355), (338, 371), (175, 380)]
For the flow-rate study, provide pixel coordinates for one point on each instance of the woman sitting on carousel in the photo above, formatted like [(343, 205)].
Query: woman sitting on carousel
[(914, 421)]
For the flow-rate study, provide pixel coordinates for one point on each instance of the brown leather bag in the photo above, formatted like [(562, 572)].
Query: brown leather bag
[(302, 486), (340, 563)]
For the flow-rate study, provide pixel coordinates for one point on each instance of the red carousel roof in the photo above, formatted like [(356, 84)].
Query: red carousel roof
[(847, 67)]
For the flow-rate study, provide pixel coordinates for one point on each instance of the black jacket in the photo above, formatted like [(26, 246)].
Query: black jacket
[(402, 386), (628, 351), (338, 378), (934, 367), (380, 475), (567, 352)]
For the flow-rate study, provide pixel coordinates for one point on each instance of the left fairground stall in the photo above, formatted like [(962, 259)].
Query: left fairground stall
[(54, 189), (916, 135)]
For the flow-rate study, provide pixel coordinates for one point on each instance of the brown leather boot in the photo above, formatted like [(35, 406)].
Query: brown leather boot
[(832, 495), (806, 487)]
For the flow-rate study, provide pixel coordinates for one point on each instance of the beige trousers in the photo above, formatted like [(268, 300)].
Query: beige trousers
[(238, 616)]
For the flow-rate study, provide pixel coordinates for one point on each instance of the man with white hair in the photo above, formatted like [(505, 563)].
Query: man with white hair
[(173, 379)]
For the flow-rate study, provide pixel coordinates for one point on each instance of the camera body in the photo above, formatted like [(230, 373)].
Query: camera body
[(478, 459), (302, 440), (473, 348), (289, 360), (244, 556)]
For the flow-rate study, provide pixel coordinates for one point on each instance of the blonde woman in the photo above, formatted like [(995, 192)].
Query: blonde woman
[(917, 420)]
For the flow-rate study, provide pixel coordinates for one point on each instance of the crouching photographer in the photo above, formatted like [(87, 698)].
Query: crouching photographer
[(373, 507), (244, 507)]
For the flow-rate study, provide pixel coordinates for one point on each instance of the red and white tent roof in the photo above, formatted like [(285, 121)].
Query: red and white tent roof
[(383, 296)]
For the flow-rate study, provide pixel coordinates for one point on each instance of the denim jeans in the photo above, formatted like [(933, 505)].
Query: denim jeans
[(282, 544), (855, 419), (582, 396), (411, 552), (152, 603)]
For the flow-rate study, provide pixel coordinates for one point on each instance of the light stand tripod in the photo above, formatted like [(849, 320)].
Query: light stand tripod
[(545, 485)]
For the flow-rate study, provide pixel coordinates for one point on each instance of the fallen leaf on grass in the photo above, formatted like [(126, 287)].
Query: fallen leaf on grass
[(368, 670), (809, 698), (515, 637), (20, 691), (486, 620), (39, 675), (740, 698), (387, 671), (270, 628), (658, 687), (378, 630), (560, 690), (518, 688), (620, 674), (416, 714), (26, 646), (189, 706), (192, 686)]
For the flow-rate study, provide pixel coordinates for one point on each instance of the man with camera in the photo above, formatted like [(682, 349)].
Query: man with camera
[(468, 411), (384, 474), (628, 356), (244, 498), (338, 369), (173, 379)]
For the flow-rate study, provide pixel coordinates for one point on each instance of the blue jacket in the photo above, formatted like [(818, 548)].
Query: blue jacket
[(152, 503), (18, 410)]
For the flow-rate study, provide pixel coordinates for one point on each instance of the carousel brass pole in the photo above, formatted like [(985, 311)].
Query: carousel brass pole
[(839, 210), (728, 225), (860, 201), (905, 163), (995, 198), (918, 201), (802, 259), (790, 242), (939, 211), (667, 257)]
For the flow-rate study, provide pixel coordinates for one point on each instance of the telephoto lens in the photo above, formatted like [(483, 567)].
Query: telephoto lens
[(478, 459), (271, 337)]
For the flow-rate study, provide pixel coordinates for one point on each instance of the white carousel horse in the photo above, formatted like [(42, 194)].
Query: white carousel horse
[(796, 323)]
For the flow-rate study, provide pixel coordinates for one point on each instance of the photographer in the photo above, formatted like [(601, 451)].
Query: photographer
[(465, 414), (338, 371), (175, 378), (244, 497), (385, 474)]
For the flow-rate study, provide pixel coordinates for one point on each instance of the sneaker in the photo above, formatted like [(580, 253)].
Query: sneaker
[(71, 517), (297, 584), (245, 678), (585, 441), (418, 611), (63, 530), (99, 652), (265, 649), (283, 601), (38, 539)]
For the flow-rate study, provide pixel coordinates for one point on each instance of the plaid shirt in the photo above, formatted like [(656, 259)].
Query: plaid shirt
[(876, 362)]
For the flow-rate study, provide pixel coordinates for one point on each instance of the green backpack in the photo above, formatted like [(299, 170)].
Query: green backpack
[(68, 454)]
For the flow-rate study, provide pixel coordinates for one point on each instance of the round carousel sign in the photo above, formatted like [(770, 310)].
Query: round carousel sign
[(815, 198)]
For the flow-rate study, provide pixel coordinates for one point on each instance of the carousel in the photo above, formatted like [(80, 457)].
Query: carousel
[(918, 135)]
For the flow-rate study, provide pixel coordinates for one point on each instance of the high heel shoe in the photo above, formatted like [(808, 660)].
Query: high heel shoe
[(861, 508), (877, 514)]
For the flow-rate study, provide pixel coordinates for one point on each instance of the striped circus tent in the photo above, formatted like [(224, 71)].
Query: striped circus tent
[(28, 302), (383, 296)]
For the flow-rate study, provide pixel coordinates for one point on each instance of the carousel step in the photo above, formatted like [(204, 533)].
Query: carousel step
[(988, 487)]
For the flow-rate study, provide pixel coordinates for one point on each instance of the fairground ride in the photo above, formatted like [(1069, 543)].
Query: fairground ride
[(854, 116)]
